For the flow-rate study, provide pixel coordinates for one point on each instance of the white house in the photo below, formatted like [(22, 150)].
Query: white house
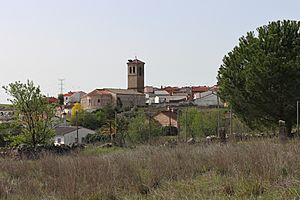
[(208, 99), (76, 97), (67, 135), (67, 97)]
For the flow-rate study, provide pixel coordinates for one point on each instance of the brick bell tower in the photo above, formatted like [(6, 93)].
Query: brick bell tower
[(135, 71)]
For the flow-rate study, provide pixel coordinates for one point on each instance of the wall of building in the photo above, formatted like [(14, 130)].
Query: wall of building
[(136, 77), (70, 138), (210, 100), (96, 102), (76, 97), (59, 140), (130, 100)]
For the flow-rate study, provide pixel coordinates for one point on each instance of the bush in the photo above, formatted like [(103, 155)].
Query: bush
[(93, 138), (94, 120), (142, 129), (169, 131)]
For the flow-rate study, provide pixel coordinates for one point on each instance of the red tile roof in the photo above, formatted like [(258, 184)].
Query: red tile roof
[(52, 100), (200, 89), (69, 94), (97, 92), (170, 89)]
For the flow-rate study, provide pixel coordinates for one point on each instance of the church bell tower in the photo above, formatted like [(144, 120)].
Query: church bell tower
[(135, 71)]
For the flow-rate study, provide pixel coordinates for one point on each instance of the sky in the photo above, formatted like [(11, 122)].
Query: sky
[(88, 42)]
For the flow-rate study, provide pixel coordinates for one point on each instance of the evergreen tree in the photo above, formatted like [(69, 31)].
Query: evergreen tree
[(260, 78)]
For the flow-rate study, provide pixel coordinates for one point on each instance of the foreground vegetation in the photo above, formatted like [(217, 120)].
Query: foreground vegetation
[(253, 77), (249, 170)]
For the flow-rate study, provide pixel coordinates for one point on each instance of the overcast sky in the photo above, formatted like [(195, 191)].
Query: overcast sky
[(88, 42)]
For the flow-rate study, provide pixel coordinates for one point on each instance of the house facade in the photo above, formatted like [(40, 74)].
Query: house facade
[(96, 99), (208, 99), (161, 96), (126, 98), (67, 135), (122, 98), (76, 97)]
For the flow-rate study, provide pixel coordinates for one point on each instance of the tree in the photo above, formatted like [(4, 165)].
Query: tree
[(94, 120), (61, 99), (9, 130), (199, 123), (34, 113), (77, 108), (142, 128), (86, 119), (260, 78)]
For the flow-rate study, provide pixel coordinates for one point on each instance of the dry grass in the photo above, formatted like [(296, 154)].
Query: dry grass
[(238, 171)]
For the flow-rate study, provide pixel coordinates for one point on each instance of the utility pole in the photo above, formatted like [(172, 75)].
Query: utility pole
[(110, 132), (114, 135), (178, 125), (77, 127), (149, 118), (170, 122), (185, 124)]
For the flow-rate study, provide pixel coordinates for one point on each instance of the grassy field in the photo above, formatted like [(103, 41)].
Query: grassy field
[(251, 170)]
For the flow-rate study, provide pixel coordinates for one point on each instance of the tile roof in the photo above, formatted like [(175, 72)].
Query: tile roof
[(161, 92), (97, 92), (52, 100), (172, 115), (79, 92), (68, 94), (123, 91), (135, 61), (64, 130), (200, 89)]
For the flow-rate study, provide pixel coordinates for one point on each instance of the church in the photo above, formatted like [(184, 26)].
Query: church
[(121, 98)]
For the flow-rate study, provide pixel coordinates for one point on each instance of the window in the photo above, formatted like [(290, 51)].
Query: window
[(140, 71), (130, 70), (58, 140), (98, 100), (134, 70)]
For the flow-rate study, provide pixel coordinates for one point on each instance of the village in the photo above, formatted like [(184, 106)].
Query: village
[(149, 100), (165, 103)]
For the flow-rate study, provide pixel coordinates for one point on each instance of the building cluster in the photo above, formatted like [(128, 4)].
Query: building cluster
[(136, 95), (202, 96), (139, 95)]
